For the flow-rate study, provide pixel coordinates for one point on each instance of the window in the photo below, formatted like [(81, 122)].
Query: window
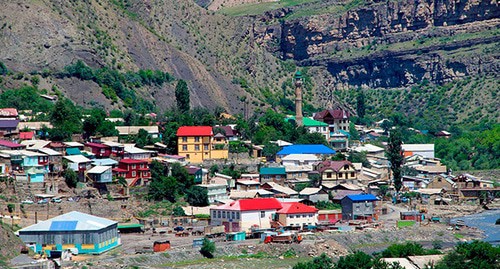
[(329, 175), (214, 214), (205, 147), (262, 214), (184, 139), (292, 216), (233, 215), (352, 174), (184, 147), (340, 175), (197, 139), (187, 156), (218, 214), (237, 215), (304, 216), (196, 147), (133, 173), (223, 214)]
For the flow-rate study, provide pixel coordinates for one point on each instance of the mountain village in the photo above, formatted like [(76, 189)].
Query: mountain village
[(301, 191)]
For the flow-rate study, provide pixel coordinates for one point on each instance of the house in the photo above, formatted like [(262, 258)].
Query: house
[(105, 162), (236, 195), (133, 152), (101, 174), (370, 149), (57, 146), (413, 183), (339, 191), (9, 114), (89, 234), (246, 185), (5, 164), (343, 171), (442, 181), (465, 181), (272, 174), (319, 150), (337, 119), (314, 194), (54, 159), (196, 172), (424, 150), (78, 163), (117, 149), (361, 206), (98, 149), (313, 126), (295, 214), (244, 214), (299, 159), (135, 172), (230, 182), (279, 191), (9, 145), (8, 127), (73, 148), (216, 192), (125, 131), (197, 143), (298, 172), (35, 144), (36, 126), (443, 134), (230, 133)]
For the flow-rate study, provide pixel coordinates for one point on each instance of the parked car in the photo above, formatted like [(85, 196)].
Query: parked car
[(56, 200), (27, 202), (179, 229), (43, 201)]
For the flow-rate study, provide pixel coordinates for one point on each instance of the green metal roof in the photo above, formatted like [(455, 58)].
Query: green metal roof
[(272, 171), (130, 225), (308, 122)]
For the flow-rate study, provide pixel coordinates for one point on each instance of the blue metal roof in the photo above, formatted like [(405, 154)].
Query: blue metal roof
[(272, 171), (63, 225), (73, 151), (105, 162), (362, 197), (306, 149)]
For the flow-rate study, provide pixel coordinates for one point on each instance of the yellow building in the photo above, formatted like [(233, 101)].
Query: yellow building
[(197, 143)]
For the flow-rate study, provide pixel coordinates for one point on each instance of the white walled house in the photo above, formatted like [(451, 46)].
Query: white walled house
[(297, 214), (299, 159), (243, 214)]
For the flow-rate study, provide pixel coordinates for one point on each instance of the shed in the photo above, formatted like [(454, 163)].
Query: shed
[(159, 246), (240, 236)]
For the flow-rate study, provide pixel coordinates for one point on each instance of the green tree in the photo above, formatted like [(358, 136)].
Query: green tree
[(357, 260), (320, 262), (178, 211), (395, 156), (164, 188), (269, 151), (143, 138), (405, 250), (70, 177), (353, 132), (158, 170), (476, 254), (3, 69), (339, 156), (65, 117), (93, 122), (182, 96), (360, 104), (182, 176), (197, 196), (359, 157), (207, 248)]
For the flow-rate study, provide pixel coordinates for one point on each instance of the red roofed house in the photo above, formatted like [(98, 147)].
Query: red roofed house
[(242, 215), (197, 144), (26, 135), (100, 150), (134, 171), (337, 170), (8, 145), (297, 214), (337, 119)]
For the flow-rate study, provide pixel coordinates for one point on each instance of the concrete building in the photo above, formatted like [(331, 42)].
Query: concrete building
[(313, 126), (338, 171), (299, 159), (101, 174), (216, 192), (297, 215), (424, 150), (89, 234), (197, 143), (361, 206), (244, 214)]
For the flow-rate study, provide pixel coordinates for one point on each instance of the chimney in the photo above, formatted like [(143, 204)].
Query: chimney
[(298, 99)]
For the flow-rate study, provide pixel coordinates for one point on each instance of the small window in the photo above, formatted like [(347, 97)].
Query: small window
[(219, 214), (262, 214), (237, 215), (184, 147), (223, 214), (184, 139), (133, 166), (352, 174), (233, 215), (205, 147), (214, 214), (133, 173), (340, 175), (197, 139), (329, 175), (187, 156), (196, 147)]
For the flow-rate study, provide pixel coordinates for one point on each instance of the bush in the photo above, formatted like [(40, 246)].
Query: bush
[(207, 248), (11, 207), (71, 178)]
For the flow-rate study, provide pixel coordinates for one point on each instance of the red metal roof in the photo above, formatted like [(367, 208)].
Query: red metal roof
[(253, 204), (10, 144), (119, 170), (334, 165), (26, 135), (133, 161), (295, 208), (96, 145), (194, 131), (8, 112), (334, 113)]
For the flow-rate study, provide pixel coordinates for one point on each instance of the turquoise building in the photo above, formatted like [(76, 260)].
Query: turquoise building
[(87, 233)]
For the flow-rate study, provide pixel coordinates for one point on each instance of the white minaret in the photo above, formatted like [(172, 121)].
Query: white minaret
[(298, 99)]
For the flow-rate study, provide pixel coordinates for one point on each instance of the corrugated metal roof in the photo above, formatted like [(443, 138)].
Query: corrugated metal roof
[(272, 171), (77, 159), (73, 151), (73, 144), (300, 157), (49, 152), (306, 149), (72, 221), (418, 147), (105, 162), (362, 197), (99, 169), (308, 122)]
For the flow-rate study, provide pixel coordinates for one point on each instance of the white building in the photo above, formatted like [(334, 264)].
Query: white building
[(244, 214), (215, 192), (297, 214), (424, 150), (299, 159)]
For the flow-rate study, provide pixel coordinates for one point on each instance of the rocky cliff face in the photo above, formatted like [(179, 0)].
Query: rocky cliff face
[(391, 44)]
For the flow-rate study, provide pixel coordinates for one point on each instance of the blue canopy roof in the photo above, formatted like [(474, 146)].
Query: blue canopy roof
[(73, 151), (306, 149), (362, 197)]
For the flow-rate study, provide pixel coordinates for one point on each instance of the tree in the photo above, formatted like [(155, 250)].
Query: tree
[(197, 196), (165, 188), (93, 122), (353, 132), (339, 156), (65, 117), (178, 211), (320, 262), (405, 250), (360, 104), (158, 170), (359, 157), (143, 138), (182, 96), (394, 155), (3, 69), (476, 254), (357, 260), (269, 151), (207, 248), (182, 176), (70, 177), (386, 125)]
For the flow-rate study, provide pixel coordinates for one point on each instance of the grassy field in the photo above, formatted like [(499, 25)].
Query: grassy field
[(255, 9), (237, 263)]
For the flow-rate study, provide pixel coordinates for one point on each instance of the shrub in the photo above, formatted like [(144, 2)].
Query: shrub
[(207, 248)]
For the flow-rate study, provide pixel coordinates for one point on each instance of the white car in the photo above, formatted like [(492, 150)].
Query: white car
[(27, 202)]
